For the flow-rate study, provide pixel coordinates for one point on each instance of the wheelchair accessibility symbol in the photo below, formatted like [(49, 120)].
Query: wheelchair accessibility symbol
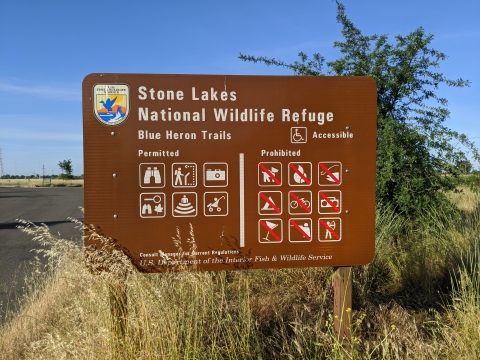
[(298, 135)]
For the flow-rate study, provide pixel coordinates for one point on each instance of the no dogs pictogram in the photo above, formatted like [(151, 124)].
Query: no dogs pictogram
[(330, 229), (270, 174)]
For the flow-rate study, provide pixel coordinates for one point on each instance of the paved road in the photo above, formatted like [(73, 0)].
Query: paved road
[(51, 206)]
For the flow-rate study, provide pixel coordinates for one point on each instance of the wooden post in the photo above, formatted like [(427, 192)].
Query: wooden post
[(342, 302)]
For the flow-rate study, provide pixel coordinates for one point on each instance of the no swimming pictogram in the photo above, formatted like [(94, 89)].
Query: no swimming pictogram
[(330, 229)]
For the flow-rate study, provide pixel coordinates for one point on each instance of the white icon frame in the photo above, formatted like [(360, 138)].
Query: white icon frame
[(142, 175), (154, 194), (260, 174), (269, 213), (205, 203), (290, 170), (174, 204), (290, 226), (205, 174), (322, 228)]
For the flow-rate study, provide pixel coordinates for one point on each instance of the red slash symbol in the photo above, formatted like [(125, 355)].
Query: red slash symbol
[(300, 202), (329, 229), (270, 174), (330, 174), (270, 231), (330, 202), (300, 173), (300, 230), (271, 203)]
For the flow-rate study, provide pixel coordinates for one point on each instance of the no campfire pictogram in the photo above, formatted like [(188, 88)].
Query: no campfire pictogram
[(270, 174), (300, 173), (300, 230), (267, 232), (330, 229), (329, 173)]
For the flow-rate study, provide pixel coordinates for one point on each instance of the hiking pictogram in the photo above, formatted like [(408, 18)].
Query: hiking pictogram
[(184, 174), (270, 202), (329, 173), (300, 230), (300, 173), (330, 229), (330, 202), (270, 231), (270, 174)]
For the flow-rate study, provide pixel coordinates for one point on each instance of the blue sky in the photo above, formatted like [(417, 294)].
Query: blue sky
[(48, 47)]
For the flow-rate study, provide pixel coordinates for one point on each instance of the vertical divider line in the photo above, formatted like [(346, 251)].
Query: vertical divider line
[(242, 200)]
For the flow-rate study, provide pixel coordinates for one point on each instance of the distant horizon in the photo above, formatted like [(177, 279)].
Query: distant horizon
[(51, 53)]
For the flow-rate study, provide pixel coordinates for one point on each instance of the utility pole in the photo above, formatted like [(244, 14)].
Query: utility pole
[(1, 163), (43, 174)]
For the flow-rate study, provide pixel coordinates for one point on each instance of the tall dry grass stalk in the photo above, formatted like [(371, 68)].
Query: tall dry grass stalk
[(418, 299)]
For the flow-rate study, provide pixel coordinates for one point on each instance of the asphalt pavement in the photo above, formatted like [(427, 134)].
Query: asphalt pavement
[(51, 206)]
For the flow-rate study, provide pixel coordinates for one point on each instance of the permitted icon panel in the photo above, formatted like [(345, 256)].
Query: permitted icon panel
[(152, 205), (184, 175), (184, 204), (270, 202), (215, 203), (300, 202), (300, 230), (270, 231), (270, 174), (300, 173), (329, 173), (152, 175), (215, 174), (298, 135), (330, 202), (329, 229)]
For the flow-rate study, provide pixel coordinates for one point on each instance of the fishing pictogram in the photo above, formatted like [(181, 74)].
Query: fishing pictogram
[(329, 173)]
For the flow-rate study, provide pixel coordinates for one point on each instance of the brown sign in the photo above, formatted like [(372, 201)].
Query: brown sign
[(258, 171)]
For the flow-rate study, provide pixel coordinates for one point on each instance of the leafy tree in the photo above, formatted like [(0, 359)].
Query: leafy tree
[(67, 169), (414, 147)]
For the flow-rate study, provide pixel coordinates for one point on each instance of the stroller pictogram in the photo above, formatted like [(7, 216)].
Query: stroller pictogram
[(214, 205)]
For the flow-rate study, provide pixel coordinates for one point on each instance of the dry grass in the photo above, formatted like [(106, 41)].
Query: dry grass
[(418, 299), (40, 183)]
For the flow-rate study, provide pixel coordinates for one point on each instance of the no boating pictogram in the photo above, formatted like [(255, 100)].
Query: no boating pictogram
[(266, 232), (330, 229), (270, 174), (329, 173), (300, 230), (330, 202)]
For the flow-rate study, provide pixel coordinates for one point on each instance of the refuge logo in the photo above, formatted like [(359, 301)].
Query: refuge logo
[(111, 103)]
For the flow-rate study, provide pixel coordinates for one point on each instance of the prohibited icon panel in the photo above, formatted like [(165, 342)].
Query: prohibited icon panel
[(330, 229), (300, 230), (270, 202), (329, 201), (300, 173), (270, 174), (152, 175), (152, 205), (299, 202), (215, 203), (184, 204), (329, 173), (215, 174), (270, 231), (184, 175)]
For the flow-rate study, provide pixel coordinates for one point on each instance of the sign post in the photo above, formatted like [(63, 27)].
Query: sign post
[(260, 171)]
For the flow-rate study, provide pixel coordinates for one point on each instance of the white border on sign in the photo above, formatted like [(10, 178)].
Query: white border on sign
[(205, 203)]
